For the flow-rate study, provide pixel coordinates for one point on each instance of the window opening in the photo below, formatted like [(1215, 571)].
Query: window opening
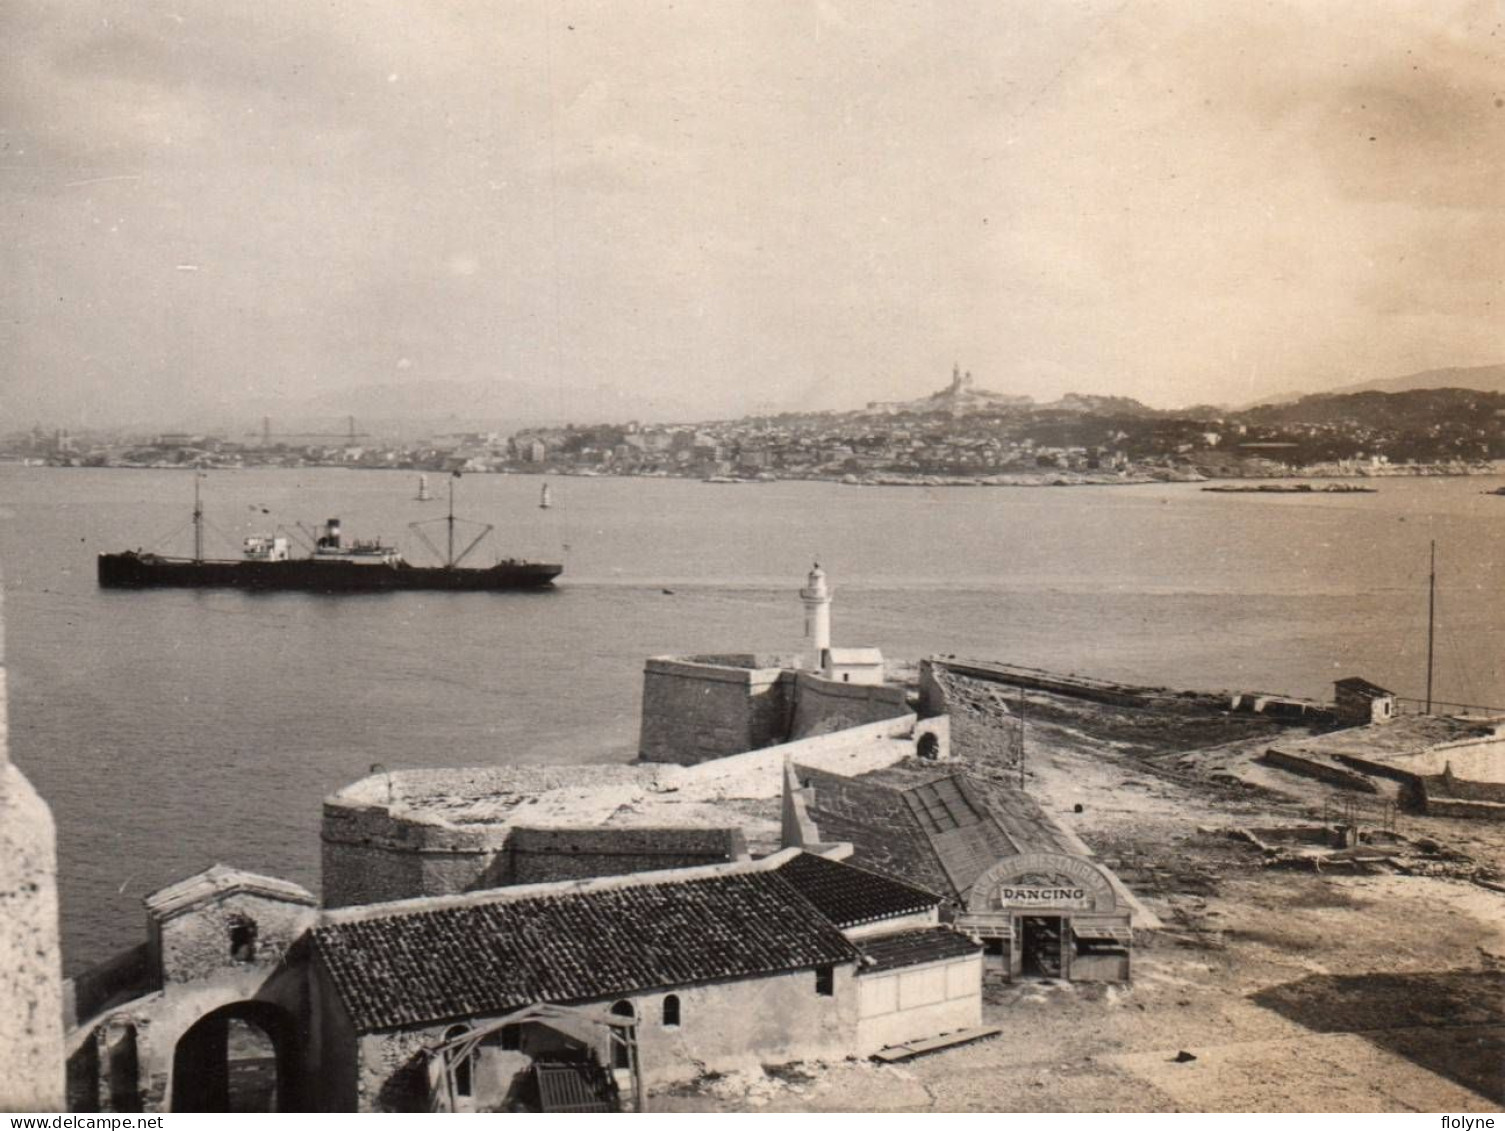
[(242, 940), (825, 981)]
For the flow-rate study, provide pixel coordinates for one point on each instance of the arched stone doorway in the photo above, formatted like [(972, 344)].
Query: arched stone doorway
[(241, 1057)]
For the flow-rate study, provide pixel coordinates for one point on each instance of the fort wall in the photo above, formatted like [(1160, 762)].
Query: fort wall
[(537, 856), (374, 855), (702, 707), (824, 705)]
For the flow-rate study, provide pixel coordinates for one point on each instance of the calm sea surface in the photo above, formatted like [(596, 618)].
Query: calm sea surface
[(172, 729)]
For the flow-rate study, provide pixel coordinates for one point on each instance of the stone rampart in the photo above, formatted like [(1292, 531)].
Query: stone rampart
[(1320, 769), (374, 855), (703, 707), (537, 856), (128, 974), (822, 706)]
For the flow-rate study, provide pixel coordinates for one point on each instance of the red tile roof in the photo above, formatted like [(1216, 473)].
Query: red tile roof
[(421, 967)]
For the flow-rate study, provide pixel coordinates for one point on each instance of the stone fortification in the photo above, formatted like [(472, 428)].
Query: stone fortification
[(701, 707), (822, 706), (415, 833), (31, 978)]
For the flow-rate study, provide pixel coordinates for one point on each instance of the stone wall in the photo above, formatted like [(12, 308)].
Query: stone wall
[(822, 706), (708, 707), (723, 1027), (1443, 795), (31, 968), (543, 855), (1320, 769), (369, 854), (197, 944), (129, 973)]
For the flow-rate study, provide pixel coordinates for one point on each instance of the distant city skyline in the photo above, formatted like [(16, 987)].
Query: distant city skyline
[(594, 211)]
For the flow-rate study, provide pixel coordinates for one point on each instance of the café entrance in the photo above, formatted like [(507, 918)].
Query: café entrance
[(1041, 953), (1049, 916)]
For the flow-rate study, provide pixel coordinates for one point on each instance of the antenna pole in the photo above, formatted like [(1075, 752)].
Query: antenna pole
[(1431, 621), (1021, 737), (198, 521)]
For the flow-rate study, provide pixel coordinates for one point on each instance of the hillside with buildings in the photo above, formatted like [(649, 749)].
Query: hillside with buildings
[(961, 433)]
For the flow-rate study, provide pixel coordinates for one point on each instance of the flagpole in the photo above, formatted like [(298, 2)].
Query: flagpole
[(1431, 622)]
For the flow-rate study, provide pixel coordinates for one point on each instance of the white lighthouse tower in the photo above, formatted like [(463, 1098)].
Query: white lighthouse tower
[(817, 598)]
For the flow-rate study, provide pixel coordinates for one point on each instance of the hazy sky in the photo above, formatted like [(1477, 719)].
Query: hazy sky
[(701, 208)]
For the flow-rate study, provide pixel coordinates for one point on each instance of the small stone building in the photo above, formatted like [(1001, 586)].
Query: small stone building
[(1357, 702), (512, 998), (862, 666), (221, 966), (794, 957)]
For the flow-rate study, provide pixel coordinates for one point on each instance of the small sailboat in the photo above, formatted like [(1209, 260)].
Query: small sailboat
[(543, 498), (423, 490)]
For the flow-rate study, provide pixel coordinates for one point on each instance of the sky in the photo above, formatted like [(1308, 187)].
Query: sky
[(599, 210)]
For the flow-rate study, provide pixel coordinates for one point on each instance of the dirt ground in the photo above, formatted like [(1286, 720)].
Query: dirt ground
[(1292, 990)]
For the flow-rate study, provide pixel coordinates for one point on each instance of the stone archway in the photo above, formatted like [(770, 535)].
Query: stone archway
[(208, 1075)]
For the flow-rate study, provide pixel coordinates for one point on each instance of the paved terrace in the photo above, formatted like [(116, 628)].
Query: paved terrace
[(625, 796)]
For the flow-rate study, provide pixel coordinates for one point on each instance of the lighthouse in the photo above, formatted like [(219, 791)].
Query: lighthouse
[(817, 598)]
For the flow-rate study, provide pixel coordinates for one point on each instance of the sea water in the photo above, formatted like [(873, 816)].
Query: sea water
[(171, 729)]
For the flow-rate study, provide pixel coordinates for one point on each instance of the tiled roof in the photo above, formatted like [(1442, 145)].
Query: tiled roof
[(218, 881), (939, 831), (1363, 687), (849, 896), (879, 826), (419, 967), (912, 948)]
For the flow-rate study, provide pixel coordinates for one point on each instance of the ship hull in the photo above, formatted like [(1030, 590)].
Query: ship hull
[(150, 571)]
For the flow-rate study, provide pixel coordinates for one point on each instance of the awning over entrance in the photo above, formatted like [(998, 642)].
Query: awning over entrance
[(1096, 932)]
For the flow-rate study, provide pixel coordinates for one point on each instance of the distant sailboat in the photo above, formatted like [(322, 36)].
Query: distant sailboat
[(423, 489), (543, 498)]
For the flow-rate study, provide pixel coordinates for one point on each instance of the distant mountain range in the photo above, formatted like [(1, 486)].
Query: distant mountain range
[(1484, 378)]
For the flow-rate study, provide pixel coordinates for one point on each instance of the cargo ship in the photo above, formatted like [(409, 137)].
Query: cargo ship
[(334, 565)]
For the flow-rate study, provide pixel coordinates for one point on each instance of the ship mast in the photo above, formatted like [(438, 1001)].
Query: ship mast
[(198, 521), (449, 561)]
